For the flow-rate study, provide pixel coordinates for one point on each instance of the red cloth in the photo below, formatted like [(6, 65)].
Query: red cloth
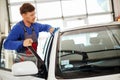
[(34, 45)]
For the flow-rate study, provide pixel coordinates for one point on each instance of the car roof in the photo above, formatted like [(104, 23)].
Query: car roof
[(90, 26)]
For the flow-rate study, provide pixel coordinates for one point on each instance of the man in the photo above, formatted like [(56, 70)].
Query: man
[(25, 32)]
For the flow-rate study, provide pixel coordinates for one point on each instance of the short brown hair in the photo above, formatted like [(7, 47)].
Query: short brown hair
[(26, 7)]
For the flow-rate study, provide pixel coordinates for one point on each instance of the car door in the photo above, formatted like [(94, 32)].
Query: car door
[(5, 74)]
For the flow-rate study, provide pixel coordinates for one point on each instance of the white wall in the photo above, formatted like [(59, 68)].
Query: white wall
[(3, 17)]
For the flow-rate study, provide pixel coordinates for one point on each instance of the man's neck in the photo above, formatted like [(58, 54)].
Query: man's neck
[(27, 23)]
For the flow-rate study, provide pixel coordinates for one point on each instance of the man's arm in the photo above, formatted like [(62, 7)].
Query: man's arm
[(48, 28), (45, 27), (12, 41)]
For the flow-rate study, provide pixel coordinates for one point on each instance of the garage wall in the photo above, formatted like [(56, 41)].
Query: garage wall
[(117, 7), (3, 17)]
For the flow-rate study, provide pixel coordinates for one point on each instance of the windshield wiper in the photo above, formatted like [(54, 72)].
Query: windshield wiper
[(84, 54), (85, 58), (87, 67), (104, 50), (97, 68)]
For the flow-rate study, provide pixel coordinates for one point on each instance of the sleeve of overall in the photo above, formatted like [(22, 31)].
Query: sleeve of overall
[(12, 41), (44, 27)]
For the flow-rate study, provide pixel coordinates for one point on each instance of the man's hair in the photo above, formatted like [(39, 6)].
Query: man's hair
[(26, 7)]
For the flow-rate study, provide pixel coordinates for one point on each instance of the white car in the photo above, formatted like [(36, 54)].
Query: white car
[(84, 53)]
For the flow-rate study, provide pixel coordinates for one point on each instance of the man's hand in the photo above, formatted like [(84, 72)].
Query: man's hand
[(51, 30), (27, 42)]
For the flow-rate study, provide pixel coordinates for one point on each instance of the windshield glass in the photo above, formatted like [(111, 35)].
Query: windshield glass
[(89, 52)]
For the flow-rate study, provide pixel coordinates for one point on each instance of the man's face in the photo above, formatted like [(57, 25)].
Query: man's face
[(29, 17)]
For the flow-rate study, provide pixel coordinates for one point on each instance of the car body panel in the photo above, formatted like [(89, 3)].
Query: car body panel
[(7, 75)]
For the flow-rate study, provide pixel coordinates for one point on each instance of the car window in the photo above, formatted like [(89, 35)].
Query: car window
[(8, 57), (47, 44), (88, 52), (115, 30), (42, 44), (1, 53)]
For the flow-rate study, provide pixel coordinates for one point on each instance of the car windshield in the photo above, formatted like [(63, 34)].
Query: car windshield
[(88, 52)]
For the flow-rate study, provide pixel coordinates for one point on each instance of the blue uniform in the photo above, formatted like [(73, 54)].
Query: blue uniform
[(16, 37)]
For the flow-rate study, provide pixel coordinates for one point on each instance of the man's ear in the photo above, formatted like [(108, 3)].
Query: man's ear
[(23, 15)]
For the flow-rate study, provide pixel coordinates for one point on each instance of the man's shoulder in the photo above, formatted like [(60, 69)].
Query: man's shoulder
[(17, 26), (36, 23), (40, 24)]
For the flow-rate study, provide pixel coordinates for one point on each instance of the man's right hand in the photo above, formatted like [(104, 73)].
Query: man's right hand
[(27, 42)]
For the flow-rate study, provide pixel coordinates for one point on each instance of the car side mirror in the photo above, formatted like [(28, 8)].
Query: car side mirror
[(24, 68)]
